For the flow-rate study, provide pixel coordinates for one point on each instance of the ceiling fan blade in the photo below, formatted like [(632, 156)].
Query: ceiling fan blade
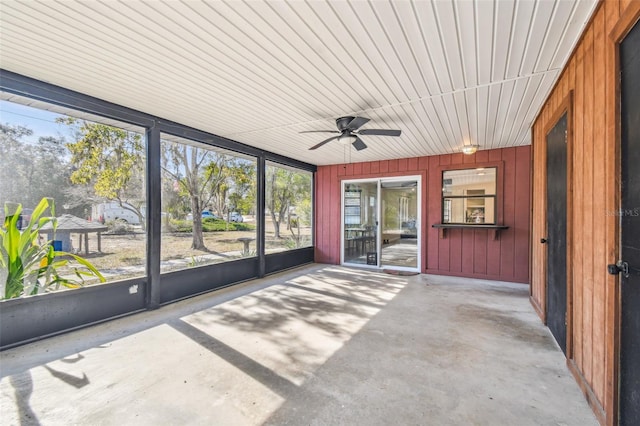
[(319, 131), (380, 132), (358, 144), (323, 142), (356, 123)]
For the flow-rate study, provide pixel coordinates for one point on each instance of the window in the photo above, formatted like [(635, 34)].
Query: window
[(288, 209), (90, 174), (208, 204), (469, 196)]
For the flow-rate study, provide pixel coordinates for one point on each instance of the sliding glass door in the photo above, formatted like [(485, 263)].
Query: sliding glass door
[(380, 222), (399, 212)]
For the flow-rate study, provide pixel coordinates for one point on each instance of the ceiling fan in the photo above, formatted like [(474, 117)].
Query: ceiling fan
[(349, 133)]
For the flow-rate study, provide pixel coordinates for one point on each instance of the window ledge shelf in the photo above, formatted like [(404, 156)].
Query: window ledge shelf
[(494, 229)]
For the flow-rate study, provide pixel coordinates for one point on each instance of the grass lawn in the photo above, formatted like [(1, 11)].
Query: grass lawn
[(123, 255)]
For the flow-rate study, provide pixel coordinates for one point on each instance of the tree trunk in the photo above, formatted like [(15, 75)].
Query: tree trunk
[(295, 223), (198, 239), (276, 225), (142, 220), (284, 208)]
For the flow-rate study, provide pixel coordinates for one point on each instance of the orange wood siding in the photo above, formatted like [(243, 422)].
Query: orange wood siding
[(464, 252), (589, 79)]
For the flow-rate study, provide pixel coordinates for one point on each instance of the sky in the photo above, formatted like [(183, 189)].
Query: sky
[(40, 121)]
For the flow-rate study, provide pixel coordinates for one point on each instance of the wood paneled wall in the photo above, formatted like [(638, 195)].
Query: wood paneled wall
[(588, 87), (468, 252)]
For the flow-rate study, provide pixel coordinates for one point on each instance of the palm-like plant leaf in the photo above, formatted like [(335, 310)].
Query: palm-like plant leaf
[(29, 268)]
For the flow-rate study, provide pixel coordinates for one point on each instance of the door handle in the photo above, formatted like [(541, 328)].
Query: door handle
[(620, 266), (543, 240)]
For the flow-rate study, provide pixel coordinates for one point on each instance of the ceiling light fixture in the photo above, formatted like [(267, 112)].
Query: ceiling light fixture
[(469, 149), (346, 139)]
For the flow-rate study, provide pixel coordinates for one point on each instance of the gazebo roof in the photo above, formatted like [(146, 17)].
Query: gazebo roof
[(71, 223)]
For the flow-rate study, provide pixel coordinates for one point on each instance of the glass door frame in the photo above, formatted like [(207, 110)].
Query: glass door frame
[(379, 225)]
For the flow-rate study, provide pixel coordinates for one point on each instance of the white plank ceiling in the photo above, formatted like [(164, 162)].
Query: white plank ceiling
[(446, 73)]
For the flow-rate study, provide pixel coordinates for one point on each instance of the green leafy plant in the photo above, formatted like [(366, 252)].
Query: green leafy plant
[(249, 253), (296, 241), (28, 267), (211, 225), (197, 261), (118, 227)]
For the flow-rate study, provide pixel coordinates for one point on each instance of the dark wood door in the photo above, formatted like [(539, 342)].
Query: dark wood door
[(630, 229), (557, 231)]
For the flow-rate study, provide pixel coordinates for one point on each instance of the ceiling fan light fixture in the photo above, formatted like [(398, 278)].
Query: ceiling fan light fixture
[(348, 133), (469, 149), (347, 139)]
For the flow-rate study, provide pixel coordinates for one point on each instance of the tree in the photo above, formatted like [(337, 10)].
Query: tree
[(234, 185), (30, 171), (12, 153), (111, 160), (174, 201), (242, 196), (218, 173), (285, 189), (209, 179), (192, 169), (50, 172)]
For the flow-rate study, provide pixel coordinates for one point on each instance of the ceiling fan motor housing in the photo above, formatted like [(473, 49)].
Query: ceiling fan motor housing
[(343, 122)]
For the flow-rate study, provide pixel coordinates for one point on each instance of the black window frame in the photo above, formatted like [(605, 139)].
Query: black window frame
[(63, 311)]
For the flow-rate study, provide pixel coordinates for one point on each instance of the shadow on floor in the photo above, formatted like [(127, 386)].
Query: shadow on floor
[(318, 345)]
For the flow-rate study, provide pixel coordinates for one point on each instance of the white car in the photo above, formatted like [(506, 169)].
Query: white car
[(236, 217)]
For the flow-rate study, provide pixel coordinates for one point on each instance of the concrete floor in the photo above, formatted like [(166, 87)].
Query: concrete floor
[(320, 345)]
